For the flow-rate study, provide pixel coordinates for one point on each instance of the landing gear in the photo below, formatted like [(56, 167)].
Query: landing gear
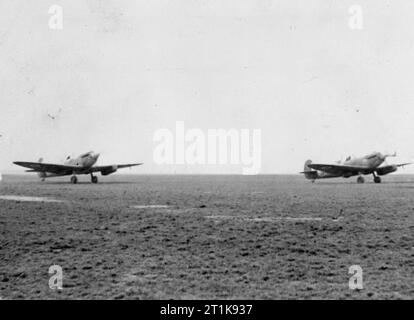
[(73, 179), (360, 179), (94, 179), (377, 179)]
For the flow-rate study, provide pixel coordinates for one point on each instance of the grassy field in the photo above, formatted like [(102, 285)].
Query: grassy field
[(205, 237)]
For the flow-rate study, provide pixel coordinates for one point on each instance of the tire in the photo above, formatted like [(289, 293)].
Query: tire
[(94, 179), (377, 179), (74, 179), (360, 179)]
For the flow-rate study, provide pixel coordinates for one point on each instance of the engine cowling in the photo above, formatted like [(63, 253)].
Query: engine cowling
[(109, 170), (386, 170)]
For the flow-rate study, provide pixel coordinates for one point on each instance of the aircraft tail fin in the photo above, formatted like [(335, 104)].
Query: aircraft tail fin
[(309, 173), (306, 168), (390, 154)]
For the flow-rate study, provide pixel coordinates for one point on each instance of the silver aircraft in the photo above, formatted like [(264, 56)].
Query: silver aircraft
[(84, 164), (369, 164)]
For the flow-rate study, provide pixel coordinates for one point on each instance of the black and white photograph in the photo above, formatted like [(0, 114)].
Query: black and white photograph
[(224, 151)]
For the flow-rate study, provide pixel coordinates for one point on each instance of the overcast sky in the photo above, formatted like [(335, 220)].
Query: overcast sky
[(120, 70)]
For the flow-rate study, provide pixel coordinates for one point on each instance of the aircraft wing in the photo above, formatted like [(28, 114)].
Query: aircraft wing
[(120, 166), (403, 164), (47, 167), (389, 168), (115, 166), (338, 168)]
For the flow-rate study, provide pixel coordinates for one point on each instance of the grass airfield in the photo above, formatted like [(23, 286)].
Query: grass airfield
[(206, 237)]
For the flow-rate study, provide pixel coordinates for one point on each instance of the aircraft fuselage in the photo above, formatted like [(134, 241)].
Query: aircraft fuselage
[(369, 164)]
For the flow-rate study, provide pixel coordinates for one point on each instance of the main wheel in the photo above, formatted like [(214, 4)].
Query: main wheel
[(360, 179), (377, 179), (73, 179), (94, 179)]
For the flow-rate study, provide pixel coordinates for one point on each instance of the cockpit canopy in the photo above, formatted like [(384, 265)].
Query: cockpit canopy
[(87, 154)]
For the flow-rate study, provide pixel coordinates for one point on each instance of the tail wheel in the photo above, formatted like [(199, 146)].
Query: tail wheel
[(94, 179), (377, 179), (73, 179), (360, 179)]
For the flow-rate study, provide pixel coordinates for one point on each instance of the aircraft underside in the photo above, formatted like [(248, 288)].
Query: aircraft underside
[(73, 178), (360, 179)]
